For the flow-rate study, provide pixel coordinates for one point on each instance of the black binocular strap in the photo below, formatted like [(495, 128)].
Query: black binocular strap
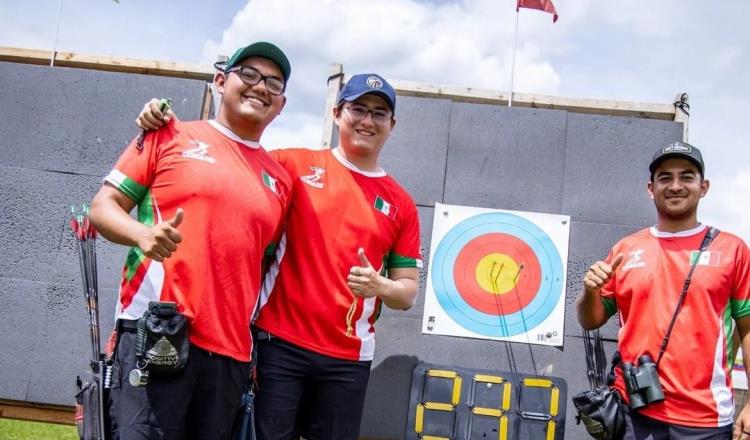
[(707, 239)]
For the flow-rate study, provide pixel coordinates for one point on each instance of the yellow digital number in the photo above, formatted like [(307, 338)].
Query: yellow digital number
[(437, 406), (554, 403), (498, 413)]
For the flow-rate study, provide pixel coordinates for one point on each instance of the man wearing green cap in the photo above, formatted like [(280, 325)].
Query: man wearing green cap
[(210, 204)]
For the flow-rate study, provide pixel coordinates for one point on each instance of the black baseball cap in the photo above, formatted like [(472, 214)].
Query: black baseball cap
[(262, 49), (681, 150)]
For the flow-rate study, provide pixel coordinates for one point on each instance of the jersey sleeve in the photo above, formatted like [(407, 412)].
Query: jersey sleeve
[(134, 171), (740, 299), (406, 250)]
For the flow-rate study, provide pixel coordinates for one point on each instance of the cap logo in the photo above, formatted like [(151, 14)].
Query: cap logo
[(677, 148), (374, 82)]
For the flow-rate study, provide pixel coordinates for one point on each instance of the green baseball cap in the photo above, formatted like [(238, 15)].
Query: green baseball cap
[(265, 50)]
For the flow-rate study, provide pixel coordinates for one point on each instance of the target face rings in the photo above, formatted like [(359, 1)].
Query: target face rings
[(497, 274)]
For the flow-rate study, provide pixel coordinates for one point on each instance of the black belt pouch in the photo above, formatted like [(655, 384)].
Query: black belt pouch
[(162, 339)]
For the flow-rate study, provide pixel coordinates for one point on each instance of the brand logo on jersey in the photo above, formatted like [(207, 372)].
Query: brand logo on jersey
[(200, 151), (315, 179), (270, 182), (706, 258), (635, 260), (385, 208)]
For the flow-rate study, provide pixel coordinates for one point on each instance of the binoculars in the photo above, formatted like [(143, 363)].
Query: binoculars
[(642, 382)]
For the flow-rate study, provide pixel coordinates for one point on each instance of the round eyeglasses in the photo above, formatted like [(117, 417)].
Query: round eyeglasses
[(251, 77), (359, 112)]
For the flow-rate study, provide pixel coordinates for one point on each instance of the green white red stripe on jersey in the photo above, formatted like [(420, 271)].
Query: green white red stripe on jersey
[(143, 278), (128, 186)]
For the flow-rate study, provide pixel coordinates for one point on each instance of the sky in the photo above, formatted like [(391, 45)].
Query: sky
[(636, 51)]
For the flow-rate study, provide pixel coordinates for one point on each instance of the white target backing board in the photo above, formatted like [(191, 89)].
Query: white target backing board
[(497, 274)]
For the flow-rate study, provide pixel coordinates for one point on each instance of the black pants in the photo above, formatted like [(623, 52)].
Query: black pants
[(199, 403), (302, 392), (638, 427)]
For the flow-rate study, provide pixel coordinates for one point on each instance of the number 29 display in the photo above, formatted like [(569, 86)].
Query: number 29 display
[(463, 404)]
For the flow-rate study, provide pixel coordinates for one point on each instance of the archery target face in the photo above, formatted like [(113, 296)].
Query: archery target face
[(497, 274)]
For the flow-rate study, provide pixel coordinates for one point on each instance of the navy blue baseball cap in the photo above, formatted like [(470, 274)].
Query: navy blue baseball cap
[(681, 150), (364, 83), (265, 50)]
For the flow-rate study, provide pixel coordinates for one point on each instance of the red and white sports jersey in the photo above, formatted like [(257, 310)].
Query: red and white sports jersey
[(335, 210), (695, 371), (234, 196)]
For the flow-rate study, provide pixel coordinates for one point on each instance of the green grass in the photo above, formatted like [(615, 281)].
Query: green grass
[(22, 430)]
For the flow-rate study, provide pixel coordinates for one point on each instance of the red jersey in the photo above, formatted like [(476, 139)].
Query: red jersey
[(695, 372), (336, 209), (234, 196)]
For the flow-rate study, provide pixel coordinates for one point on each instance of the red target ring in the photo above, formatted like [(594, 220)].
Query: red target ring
[(520, 289)]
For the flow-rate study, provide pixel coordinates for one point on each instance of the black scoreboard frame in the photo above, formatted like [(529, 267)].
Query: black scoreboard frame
[(449, 402)]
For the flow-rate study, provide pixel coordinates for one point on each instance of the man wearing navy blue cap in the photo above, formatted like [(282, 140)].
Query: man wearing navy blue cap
[(351, 244), (354, 245)]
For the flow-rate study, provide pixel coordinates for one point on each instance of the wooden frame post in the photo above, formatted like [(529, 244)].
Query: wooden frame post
[(682, 113), (335, 82)]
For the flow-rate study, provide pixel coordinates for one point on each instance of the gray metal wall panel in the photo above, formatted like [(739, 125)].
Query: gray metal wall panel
[(62, 131), (589, 242), (76, 120), (416, 151), (510, 158), (44, 339), (606, 167), (36, 240)]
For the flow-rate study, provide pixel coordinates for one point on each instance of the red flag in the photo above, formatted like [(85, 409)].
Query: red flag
[(542, 5)]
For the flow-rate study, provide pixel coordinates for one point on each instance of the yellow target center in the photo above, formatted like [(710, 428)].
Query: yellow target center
[(497, 273)]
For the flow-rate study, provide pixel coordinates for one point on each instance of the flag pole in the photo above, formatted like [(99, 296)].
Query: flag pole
[(513, 62), (57, 31)]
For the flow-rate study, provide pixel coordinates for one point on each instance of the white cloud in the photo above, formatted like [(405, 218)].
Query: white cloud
[(459, 43), (298, 129), (726, 204), (643, 51)]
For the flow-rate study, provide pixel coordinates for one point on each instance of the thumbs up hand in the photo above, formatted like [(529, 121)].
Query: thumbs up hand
[(600, 273), (159, 241), (364, 280)]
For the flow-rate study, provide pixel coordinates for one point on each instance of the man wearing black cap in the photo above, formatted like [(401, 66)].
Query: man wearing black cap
[(351, 244), (210, 204), (644, 279)]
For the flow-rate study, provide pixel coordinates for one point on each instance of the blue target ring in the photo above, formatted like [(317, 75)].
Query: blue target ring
[(497, 325)]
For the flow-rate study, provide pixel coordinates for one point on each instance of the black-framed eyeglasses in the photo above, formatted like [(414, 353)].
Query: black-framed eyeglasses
[(359, 112), (251, 77)]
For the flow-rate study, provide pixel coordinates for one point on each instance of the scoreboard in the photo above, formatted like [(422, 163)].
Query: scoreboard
[(463, 404)]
